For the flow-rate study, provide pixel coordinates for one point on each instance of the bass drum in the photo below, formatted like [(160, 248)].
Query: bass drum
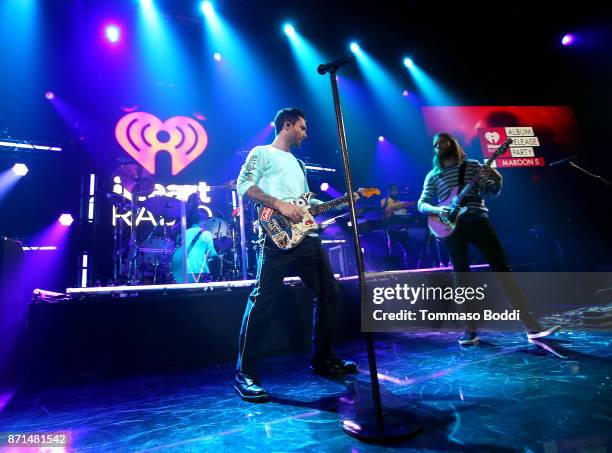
[(156, 251)]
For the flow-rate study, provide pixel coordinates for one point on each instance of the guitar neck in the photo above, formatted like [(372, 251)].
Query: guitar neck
[(323, 207)]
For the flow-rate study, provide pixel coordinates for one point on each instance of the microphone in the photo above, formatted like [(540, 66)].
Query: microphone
[(335, 65), (562, 161)]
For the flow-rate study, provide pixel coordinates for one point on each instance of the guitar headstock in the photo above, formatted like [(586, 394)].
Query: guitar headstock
[(368, 192), (502, 148)]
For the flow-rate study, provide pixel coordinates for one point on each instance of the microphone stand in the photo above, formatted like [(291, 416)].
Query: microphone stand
[(383, 428)]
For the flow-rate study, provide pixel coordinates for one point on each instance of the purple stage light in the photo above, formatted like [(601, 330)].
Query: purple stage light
[(217, 56), (112, 33), (568, 39), (405, 93), (324, 186), (381, 138), (49, 95), (65, 220), (20, 169)]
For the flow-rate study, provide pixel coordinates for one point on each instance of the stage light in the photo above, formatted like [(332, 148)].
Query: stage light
[(324, 186), (146, 3), (354, 47), (289, 30), (65, 220), (405, 93), (271, 123), (568, 39), (49, 95), (408, 63), (381, 138), (20, 169), (112, 33), (207, 8), (217, 56)]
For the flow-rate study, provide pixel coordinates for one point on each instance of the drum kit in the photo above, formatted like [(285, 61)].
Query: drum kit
[(144, 251)]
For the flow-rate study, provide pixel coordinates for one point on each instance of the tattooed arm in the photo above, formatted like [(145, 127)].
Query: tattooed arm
[(287, 209), (257, 195)]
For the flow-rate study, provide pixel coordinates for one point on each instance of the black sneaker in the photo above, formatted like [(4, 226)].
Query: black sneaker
[(469, 339), (333, 366), (532, 335), (249, 389)]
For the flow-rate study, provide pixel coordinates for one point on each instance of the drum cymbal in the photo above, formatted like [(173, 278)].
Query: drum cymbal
[(135, 179), (167, 207)]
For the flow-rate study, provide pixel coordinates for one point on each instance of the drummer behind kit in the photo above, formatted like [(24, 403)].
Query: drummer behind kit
[(157, 257), (201, 256), (211, 247)]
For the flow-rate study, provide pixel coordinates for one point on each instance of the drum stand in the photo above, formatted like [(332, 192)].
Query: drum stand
[(132, 279), (235, 270), (118, 250)]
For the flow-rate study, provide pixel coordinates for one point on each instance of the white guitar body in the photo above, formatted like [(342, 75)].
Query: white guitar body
[(287, 234), (443, 227), (283, 232)]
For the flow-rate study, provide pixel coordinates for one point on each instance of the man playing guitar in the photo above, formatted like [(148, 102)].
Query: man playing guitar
[(450, 169), (270, 176)]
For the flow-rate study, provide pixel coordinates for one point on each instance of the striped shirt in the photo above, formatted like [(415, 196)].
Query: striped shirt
[(437, 188)]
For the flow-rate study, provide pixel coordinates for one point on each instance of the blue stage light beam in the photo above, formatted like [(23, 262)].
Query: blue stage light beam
[(164, 57), (431, 91), (289, 30), (240, 79), (385, 87), (20, 49), (208, 9), (308, 58)]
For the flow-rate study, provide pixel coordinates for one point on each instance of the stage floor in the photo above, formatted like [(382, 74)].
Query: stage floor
[(504, 395)]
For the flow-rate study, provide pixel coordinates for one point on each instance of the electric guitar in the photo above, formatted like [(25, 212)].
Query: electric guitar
[(443, 226), (287, 234)]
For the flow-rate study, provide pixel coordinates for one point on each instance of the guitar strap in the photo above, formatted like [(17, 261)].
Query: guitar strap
[(193, 242), (302, 166)]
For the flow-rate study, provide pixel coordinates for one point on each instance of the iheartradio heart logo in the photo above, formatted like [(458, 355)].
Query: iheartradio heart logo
[(492, 137), (143, 135)]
